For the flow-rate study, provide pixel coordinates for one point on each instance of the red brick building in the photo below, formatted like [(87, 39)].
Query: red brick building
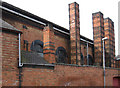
[(37, 52)]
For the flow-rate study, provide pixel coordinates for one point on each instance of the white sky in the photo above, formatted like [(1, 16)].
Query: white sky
[(56, 11)]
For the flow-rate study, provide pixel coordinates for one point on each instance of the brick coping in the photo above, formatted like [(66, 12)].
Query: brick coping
[(55, 64)]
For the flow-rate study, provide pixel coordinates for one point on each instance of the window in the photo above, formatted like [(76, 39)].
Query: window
[(61, 55), (82, 59)]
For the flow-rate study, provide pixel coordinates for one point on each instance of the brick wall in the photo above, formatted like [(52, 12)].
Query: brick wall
[(60, 75), (61, 40), (63, 75), (84, 51), (34, 31), (9, 59), (31, 31), (0, 57)]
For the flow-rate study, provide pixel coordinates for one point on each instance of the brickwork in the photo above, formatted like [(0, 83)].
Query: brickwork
[(110, 43), (74, 33), (31, 31), (30, 34), (63, 75), (98, 34), (9, 59), (35, 32), (84, 51), (0, 57), (49, 48), (61, 40), (59, 74)]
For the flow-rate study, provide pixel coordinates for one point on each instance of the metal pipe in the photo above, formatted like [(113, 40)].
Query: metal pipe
[(119, 28), (103, 39), (20, 77), (86, 41), (20, 64), (87, 55), (104, 63), (61, 30)]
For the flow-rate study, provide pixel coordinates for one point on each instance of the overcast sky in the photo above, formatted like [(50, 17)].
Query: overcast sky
[(56, 11)]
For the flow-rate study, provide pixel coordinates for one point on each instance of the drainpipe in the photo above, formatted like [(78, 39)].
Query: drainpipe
[(87, 55), (20, 64), (103, 39), (104, 63), (20, 77)]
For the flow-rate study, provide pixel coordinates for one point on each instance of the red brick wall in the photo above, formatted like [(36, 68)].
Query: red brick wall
[(67, 76), (62, 41), (9, 59), (34, 31), (40, 76), (84, 49)]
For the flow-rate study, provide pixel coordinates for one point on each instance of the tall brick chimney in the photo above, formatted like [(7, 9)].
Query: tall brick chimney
[(110, 43), (49, 48), (98, 34), (74, 26)]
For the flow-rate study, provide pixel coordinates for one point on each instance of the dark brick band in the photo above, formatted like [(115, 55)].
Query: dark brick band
[(49, 53)]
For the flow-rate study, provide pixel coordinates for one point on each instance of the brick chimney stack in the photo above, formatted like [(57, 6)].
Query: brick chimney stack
[(98, 34), (74, 26), (110, 43)]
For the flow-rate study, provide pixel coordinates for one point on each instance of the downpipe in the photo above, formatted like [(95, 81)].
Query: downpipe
[(20, 64)]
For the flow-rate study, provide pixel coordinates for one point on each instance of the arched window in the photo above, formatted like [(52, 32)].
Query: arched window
[(82, 59), (61, 55), (37, 46), (91, 61), (88, 61)]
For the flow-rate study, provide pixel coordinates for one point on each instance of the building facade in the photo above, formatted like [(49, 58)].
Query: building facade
[(37, 52)]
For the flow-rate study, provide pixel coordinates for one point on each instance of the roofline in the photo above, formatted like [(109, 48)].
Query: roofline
[(73, 3), (97, 13), (23, 12), (37, 19), (107, 18), (6, 29)]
